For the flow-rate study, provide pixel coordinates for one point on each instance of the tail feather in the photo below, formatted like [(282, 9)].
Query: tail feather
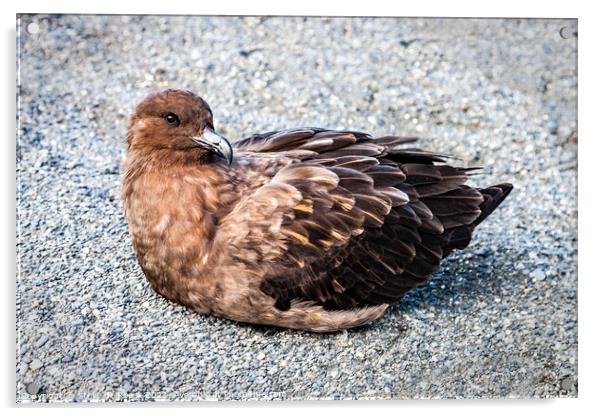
[(459, 237), (494, 195)]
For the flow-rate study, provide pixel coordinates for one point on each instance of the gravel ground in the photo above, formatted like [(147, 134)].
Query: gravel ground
[(500, 318)]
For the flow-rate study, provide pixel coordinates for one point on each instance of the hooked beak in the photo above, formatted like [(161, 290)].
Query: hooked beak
[(215, 143)]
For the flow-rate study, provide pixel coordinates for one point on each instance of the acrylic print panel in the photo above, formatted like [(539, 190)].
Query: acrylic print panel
[(498, 320)]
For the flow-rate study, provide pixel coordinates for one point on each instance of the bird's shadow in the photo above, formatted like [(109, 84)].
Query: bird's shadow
[(460, 279), (272, 331)]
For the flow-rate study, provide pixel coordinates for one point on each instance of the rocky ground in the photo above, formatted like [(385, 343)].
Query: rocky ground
[(499, 319)]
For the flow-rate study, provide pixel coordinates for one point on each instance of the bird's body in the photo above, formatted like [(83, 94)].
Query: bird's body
[(307, 228)]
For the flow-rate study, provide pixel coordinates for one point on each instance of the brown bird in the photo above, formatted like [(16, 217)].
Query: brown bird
[(306, 228)]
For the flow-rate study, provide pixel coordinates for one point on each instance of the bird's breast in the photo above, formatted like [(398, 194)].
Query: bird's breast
[(172, 221)]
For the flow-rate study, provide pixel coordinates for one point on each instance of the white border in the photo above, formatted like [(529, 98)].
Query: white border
[(589, 188)]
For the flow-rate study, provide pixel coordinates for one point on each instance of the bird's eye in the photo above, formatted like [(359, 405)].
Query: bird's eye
[(172, 119)]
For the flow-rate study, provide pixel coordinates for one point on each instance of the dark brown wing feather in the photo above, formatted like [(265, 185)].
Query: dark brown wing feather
[(392, 217)]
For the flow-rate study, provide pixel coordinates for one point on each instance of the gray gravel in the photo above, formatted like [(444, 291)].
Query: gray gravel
[(499, 320)]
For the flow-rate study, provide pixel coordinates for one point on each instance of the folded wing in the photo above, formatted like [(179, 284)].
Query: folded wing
[(353, 221)]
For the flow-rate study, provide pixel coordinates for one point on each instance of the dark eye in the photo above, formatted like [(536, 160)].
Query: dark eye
[(172, 119)]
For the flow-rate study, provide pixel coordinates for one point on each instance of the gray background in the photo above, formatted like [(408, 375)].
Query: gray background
[(499, 319)]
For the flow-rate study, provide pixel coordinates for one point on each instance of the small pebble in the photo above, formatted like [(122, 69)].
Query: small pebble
[(32, 388), (36, 364), (567, 384), (538, 275), (43, 339)]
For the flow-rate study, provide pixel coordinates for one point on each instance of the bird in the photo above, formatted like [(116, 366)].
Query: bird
[(306, 228)]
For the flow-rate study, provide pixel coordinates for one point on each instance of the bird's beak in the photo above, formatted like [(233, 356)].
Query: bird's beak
[(212, 141)]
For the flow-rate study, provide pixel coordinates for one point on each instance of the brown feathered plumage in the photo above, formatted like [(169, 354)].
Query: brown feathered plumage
[(306, 228)]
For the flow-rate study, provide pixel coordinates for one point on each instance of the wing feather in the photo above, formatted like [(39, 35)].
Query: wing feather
[(367, 218)]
